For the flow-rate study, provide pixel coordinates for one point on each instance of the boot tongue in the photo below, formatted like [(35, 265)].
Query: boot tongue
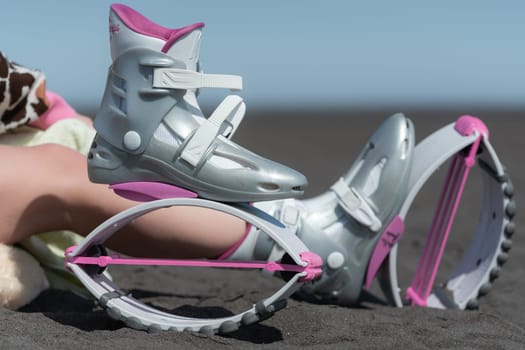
[(129, 29)]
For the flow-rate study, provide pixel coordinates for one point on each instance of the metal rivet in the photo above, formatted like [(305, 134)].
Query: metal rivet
[(335, 260), (132, 140)]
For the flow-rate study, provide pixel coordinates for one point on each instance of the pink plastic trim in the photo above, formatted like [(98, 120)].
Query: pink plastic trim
[(391, 235), (142, 25), (143, 191), (421, 286), (312, 269), (466, 125), (58, 109), (179, 33)]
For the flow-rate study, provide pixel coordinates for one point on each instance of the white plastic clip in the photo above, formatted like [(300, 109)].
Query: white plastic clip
[(355, 205), (234, 119)]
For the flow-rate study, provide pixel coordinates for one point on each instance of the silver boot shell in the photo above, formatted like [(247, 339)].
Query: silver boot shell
[(344, 225)]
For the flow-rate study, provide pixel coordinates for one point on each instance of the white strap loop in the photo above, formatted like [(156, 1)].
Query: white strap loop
[(173, 78), (234, 119), (355, 205), (209, 129)]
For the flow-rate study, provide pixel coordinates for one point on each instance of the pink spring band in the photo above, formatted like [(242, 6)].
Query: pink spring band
[(313, 268), (421, 286)]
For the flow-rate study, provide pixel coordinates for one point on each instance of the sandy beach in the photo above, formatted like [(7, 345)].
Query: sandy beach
[(322, 147)]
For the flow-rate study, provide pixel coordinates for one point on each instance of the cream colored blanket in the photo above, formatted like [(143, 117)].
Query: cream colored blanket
[(18, 274)]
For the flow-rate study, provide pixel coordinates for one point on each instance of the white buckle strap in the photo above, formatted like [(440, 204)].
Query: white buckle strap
[(290, 215), (209, 129), (173, 78), (355, 205)]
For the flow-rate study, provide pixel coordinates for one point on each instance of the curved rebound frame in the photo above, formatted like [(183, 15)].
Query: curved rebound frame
[(133, 313), (467, 142)]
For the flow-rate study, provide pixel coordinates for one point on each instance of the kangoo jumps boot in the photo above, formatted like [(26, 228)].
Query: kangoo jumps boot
[(150, 126), (344, 224)]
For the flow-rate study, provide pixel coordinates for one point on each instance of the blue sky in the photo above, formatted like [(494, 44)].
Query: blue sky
[(299, 53)]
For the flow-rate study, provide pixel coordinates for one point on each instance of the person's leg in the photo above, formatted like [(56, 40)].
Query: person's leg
[(46, 188)]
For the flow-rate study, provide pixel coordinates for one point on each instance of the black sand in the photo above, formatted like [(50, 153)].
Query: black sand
[(322, 147)]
